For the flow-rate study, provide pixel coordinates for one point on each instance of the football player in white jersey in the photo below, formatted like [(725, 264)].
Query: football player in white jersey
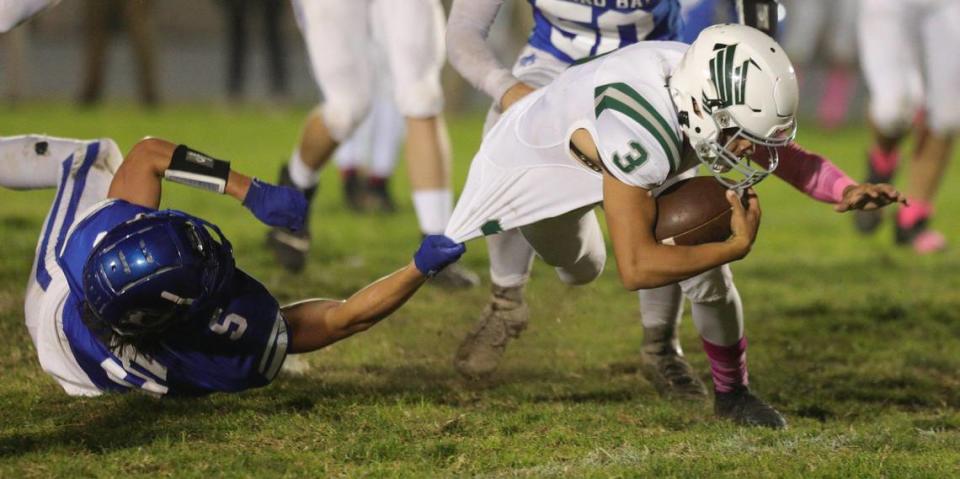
[(565, 32), (339, 34), (616, 130), (911, 66)]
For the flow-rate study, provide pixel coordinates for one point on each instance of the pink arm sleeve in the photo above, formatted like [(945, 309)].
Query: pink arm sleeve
[(810, 173)]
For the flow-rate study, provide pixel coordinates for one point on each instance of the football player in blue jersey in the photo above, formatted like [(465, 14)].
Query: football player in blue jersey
[(125, 296), (565, 32)]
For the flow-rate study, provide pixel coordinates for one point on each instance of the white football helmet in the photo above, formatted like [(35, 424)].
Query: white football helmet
[(735, 82)]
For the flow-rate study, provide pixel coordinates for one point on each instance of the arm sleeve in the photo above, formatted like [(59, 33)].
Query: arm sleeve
[(811, 173), (467, 48)]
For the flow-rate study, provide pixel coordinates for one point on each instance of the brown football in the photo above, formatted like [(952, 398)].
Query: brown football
[(693, 212)]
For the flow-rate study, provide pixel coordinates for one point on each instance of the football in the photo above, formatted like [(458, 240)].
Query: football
[(692, 212)]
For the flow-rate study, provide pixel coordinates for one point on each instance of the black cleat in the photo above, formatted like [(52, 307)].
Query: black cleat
[(353, 191), (378, 194), (868, 221), (290, 247), (666, 368), (742, 407)]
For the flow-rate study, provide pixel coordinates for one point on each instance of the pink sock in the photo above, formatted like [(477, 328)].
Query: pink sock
[(884, 162), (915, 211), (728, 364)]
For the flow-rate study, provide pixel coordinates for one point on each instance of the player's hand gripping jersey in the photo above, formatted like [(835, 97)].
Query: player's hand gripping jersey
[(525, 171), (240, 346), (573, 30)]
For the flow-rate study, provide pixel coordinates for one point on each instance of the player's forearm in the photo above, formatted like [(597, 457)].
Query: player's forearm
[(315, 324), (655, 265), (467, 48), (811, 173)]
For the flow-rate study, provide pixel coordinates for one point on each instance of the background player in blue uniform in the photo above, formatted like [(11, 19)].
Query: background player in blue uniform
[(123, 296)]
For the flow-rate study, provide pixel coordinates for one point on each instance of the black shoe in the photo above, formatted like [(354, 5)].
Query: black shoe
[(742, 407), (379, 195), (353, 192), (868, 221), (290, 247)]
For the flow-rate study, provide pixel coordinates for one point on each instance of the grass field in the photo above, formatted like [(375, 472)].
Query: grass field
[(855, 341)]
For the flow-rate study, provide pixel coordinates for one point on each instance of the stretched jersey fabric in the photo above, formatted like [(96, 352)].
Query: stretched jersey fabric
[(240, 346), (525, 172), (574, 30)]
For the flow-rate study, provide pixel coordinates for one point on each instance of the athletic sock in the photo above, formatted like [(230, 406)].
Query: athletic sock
[(915, 212), (302, 176), (884, 162), (728, 364), (433, 208)]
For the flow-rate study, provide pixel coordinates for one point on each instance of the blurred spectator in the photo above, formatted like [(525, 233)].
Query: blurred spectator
[(237, 12), (821, 32), (15, 45), (102, 18)]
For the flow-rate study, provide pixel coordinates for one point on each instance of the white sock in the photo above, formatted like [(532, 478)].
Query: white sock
[(433, 208), (303, 176)]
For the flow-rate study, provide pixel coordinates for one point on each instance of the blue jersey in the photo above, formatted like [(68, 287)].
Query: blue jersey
[(572, 30), (241, 345)]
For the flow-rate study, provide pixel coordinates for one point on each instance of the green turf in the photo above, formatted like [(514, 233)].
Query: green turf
[(854, 340)]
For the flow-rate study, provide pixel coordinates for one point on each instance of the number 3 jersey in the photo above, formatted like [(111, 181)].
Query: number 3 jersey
[(571, 30), (241, 345), (525, 170)]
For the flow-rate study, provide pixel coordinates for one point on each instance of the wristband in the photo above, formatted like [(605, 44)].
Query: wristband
[(192, 168)]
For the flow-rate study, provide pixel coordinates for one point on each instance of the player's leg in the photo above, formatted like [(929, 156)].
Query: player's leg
[(337, 40), (927, 167), (388, 127), (511, 256), (664, 364), (82, 172), (890, 66), (573, 244), (413, 42), (351, 156), (718, 315)]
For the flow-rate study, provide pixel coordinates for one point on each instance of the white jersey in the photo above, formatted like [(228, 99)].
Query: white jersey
[(525, 171)]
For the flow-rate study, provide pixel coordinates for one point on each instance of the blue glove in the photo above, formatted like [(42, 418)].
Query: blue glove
[(436, 252), (281, 206)]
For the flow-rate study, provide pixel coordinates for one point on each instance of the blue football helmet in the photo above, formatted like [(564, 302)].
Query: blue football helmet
[(155, 271)]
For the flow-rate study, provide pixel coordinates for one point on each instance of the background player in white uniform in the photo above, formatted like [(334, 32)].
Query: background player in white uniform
[(908, 54), (373, 147), (564, 32), (177, 318), (616, 129), (339, 36)]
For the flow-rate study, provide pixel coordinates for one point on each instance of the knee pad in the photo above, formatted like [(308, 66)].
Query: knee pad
[(709, 286), (343, 114), (892, 114), (585, 270), (422, 98), (944, 119)]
